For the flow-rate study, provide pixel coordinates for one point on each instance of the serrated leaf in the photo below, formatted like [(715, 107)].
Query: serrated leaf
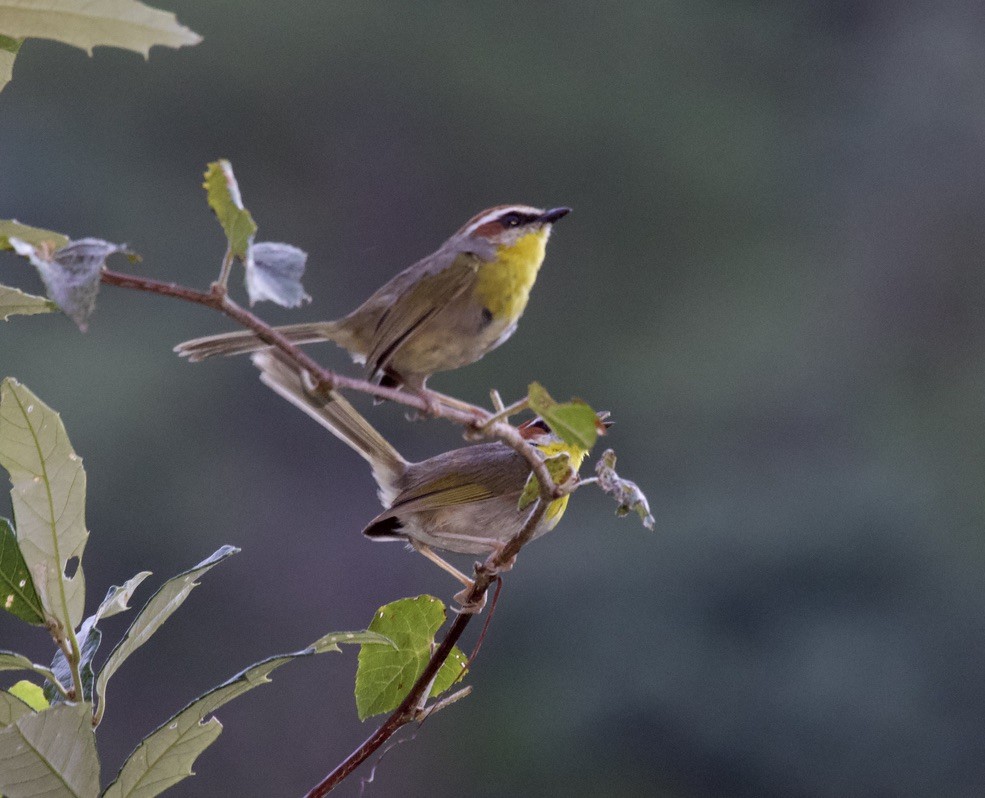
[(48, 498), (50, 754), (222, 193), (8, 52), (624, 491), (573, 422), (71, 274), (118, 596), (386, 673), (274, 271), (330, 642), (89, 638), (558, 466), (31, 694), (16, 585), (37, 236), (10, 661), (155, 612), (14, 302), (12, 708), (95, 23), (166, 755)]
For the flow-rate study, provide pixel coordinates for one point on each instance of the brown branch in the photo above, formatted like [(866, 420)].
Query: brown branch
[(477, 422), (476, 419), (409, 710)]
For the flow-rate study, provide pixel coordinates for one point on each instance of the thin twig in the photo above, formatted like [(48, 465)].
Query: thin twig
[(475, 420), (407, 711)]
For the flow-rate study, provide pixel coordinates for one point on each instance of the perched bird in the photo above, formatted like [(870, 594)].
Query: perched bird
[(461, 501), (445, 311)]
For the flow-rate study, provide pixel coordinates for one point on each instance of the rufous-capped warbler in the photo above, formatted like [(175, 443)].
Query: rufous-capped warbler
[(445, 311), (464, 500)]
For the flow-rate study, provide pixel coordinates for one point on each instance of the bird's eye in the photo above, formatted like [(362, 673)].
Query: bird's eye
[(511, 219)]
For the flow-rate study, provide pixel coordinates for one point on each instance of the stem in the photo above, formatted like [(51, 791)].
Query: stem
[(217, 300), (477, 422), (408, 710), (227, 267), (503, 413)]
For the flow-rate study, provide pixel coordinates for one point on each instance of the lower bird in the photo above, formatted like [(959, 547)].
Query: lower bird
[(446, 311), (464, 500)]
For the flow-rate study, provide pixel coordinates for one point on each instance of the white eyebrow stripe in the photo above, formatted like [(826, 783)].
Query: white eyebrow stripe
[(495, 213)]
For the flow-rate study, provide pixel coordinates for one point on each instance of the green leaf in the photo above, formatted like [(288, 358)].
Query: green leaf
[(31, 694), (89, 636), (8, 52), (330, 642), (273, 271), (9, 661), (48, 498), (558, 466), (95, 23), (118, 596), (624, 491), (155, 612), (71, 274), (386, 673), (50, 754), (12, 707), (166, 755), (573, 422), (222, 193), (16, 585), (11, 228), (14, 302)]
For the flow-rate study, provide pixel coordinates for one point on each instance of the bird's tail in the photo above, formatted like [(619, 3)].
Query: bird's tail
[(339, 417), (240, 343)]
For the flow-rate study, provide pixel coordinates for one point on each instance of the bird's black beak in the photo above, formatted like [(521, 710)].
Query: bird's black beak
[(551, 216)]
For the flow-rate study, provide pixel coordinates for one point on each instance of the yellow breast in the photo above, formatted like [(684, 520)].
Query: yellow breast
[(504, 283)]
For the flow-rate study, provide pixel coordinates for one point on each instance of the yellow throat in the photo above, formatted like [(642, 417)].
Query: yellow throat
[(504, 283)]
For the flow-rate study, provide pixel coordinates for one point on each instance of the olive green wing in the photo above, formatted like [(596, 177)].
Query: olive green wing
[(462, 476), (412, 309)]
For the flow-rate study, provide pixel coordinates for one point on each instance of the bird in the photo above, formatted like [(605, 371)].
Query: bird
[(463, 501), (445, 311)]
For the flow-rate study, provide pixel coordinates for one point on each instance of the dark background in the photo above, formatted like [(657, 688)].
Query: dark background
[(772, 277)]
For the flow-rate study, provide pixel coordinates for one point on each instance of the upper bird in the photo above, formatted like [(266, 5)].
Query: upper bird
[(445, 311)]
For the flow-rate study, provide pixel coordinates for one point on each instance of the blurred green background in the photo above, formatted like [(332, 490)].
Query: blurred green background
[(772, 278)]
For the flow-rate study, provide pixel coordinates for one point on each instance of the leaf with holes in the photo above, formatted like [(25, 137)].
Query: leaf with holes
[(50, 754), (95, 23), (222, 193), (166, 755), (49, 500), (16, 585), (386, 673)]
